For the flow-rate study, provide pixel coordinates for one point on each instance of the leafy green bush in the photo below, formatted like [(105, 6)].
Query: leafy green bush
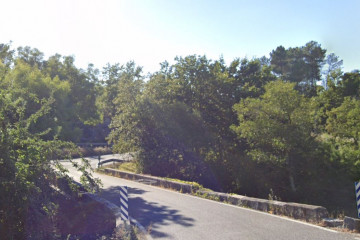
[(28, 176)]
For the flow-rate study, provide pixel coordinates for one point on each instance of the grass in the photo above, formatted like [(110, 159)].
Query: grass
[(196, 185), (207, 196), (124, 232), (127, 166)]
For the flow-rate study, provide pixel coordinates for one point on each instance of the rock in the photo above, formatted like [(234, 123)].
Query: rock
[(330, 222), (310, 213), (352, 223)]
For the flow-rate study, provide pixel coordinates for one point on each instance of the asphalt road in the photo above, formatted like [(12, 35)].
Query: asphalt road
[(171, 215)]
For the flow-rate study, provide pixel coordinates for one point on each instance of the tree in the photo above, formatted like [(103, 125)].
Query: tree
[(6, 54), (166, 137), (207, 89), (343, 125), (27, 176), (351, 84), (279, 61), (330, 98), (252, 75), (333, 65), (314, 57), (77, 107), (277, 126), (301, 65), (117, 80), (124, 91), (32, 107), (31, 56), (34, 86), (344, 121)]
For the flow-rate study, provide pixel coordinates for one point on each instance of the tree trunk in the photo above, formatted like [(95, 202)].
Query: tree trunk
[(291, 174), (292, 182)]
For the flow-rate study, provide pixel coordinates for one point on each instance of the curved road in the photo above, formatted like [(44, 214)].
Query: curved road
[(171, 215)]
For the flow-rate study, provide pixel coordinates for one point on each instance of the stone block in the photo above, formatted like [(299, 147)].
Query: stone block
[(352, 223), (330, 222)]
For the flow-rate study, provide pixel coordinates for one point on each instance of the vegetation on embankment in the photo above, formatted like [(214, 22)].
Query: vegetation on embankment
[(83, 219)]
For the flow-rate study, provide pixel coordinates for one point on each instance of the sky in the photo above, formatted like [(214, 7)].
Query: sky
[(152, 31)]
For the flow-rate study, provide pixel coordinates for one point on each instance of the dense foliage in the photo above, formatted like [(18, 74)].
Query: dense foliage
[(253, 127), (34, 118)]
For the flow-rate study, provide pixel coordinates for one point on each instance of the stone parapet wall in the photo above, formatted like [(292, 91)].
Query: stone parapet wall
[(305, 212), (150, 180)]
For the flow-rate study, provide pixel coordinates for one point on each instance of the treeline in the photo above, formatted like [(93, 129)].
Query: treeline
[(253, 126)]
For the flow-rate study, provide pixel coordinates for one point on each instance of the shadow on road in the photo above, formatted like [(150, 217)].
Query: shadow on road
[(150, 214)]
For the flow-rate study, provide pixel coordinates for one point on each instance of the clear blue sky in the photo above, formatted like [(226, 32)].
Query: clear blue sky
[(151, 31)]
